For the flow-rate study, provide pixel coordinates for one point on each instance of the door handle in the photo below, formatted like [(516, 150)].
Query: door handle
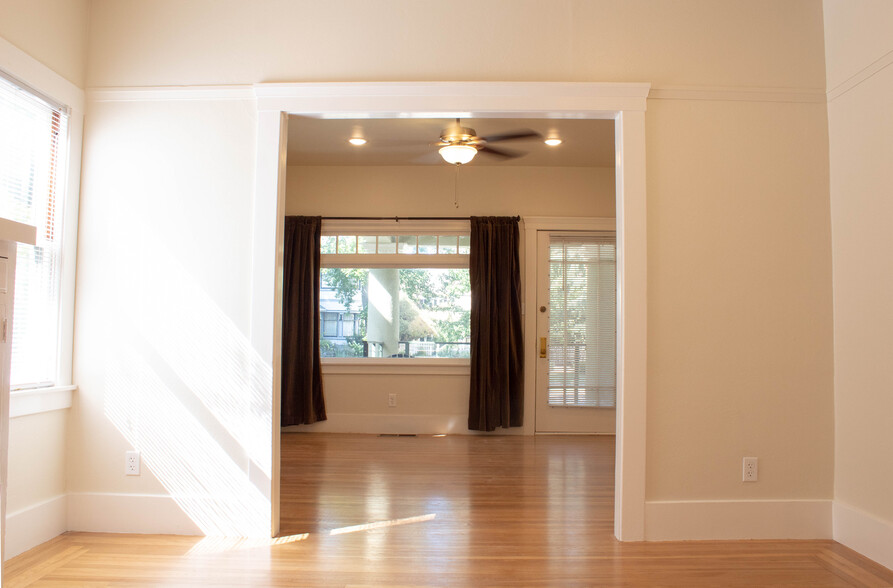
[(542, 347)]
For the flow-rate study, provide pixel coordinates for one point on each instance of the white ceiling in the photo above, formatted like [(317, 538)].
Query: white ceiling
[(410, 141)]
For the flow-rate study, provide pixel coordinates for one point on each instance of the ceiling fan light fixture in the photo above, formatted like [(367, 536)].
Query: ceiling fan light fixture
[(457, 154), (552, 141), (357, 141)]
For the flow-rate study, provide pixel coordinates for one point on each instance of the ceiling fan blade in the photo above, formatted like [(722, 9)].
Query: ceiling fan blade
[(513, 135), (505, 153)]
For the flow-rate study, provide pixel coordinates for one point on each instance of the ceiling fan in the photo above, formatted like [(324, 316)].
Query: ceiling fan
[(460, 144)]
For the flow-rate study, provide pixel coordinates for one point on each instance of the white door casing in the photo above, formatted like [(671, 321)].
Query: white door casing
[(625, 103)]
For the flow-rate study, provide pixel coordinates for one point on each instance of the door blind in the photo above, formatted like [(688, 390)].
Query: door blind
[(582, 321), (33, 161)]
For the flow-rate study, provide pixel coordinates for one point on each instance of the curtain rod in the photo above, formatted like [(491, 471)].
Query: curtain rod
[(404, 218)]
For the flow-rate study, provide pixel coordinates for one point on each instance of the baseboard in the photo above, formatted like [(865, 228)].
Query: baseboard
[(128, 513), (29, 527), (737, 519), (863, 532), (408, 424)]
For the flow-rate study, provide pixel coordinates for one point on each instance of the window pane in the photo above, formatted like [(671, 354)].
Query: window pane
[(387, 245), (367, 243), (464, 244), (447, 244), (396, 312), (33, 140), (427, 244), (347, 244), (407, 243), (327, 244)]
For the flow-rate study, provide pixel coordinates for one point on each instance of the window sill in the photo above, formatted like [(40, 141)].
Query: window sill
[(396, 366), (38, 400)]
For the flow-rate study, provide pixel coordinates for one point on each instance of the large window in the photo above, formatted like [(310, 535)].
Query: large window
[(406, 296), (33, 160)]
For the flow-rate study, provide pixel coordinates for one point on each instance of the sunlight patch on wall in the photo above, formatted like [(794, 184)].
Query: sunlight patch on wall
[(210, 488)]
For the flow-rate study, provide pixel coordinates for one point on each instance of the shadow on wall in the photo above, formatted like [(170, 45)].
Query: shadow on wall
[(188, 391)]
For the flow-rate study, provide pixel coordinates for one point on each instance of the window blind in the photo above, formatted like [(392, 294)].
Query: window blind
[(582, 321), (33, 161)]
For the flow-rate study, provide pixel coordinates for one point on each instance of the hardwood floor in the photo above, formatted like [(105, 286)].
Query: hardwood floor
[(440, 511)]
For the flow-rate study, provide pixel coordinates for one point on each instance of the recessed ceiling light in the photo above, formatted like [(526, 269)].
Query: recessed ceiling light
[(357, 141), (552, 141)]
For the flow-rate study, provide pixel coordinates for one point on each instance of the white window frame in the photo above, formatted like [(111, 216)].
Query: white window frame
[(377, 365), (38, 77)]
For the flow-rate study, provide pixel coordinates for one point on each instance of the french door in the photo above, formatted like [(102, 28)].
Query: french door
[(576, 332)]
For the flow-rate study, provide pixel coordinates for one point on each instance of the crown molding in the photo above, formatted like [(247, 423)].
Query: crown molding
[(170, 93), (860, 76), (733, 94)]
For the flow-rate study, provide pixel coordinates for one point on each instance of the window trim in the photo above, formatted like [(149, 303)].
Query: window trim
[(390, 365), (48, 84)]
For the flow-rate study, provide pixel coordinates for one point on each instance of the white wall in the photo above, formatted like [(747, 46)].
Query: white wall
[(860, 119), (356, 401), (38, 471), (739, 337), (163, 359)]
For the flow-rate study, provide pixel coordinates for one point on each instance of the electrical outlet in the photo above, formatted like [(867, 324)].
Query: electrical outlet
[(749, 472), (392, 399), (132, 463)]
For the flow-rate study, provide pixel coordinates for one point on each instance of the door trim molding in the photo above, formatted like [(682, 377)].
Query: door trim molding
[(623, 102)]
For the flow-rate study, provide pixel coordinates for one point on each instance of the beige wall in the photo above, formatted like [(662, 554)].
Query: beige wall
[(861, 149), (53, 32), (754, 43), (738, 222), (739, 304), (435, 403), (431, 191)]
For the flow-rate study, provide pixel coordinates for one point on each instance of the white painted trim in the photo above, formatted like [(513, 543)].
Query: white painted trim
[(863, 532), (447, 99), (11, 230), (391, 227), (25, 402), (398, 367), (101, 512), (737, 519), (860, 76), (565, 223), (279, 96), (731, 94), (20, 65), (35, 524), (171, 93), (625, 103), (407, 424), (268, 229)]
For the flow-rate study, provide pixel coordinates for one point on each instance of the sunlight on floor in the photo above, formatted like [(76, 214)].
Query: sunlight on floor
[(383, 524), (210, 545)]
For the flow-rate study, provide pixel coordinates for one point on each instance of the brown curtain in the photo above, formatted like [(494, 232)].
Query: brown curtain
[(302, 399), (497, 384)]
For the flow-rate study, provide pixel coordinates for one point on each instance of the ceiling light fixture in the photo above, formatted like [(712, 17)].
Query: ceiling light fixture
[(552, 141), (357, 141), (458, 154)]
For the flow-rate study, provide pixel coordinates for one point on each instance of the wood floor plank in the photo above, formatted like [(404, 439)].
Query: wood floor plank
[(366, 511)]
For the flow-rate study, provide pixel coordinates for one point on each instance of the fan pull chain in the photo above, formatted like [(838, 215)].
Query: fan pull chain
[(456, 187)]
